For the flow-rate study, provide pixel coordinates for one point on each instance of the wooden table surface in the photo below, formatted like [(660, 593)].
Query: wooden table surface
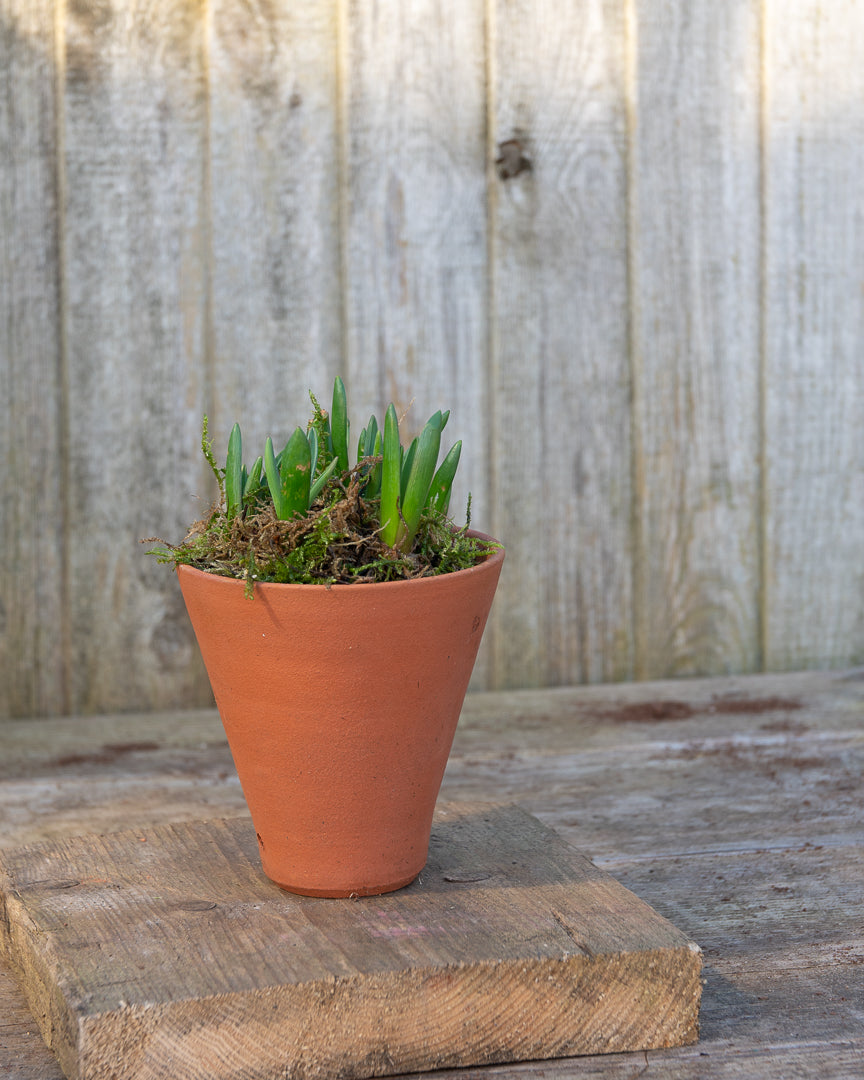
[(733, 806)]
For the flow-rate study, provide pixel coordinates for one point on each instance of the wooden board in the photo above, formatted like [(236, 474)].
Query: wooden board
[(650, 340), (33, 632), (275, 305), (559, 391), (135, 229), (814, 304), (695, 216), (414, 219), (731, 806), (166, 950)]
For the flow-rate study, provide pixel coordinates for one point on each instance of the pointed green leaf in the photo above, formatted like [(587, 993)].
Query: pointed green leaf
[(318, 485), (373, 484), (234, 473), (407, 462), (371, 436), (390, 478), (339, 426), (253, 484), (296, 475), (274, 480), (419, 481), (442, 482)]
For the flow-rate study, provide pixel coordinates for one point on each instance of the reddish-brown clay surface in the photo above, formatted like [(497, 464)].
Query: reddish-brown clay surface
[(340, 705)]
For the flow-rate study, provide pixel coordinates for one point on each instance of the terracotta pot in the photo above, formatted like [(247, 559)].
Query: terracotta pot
[(340, 705)]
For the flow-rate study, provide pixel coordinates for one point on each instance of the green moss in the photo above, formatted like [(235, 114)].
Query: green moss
[(321, 422), (338, 543), (207, 451)]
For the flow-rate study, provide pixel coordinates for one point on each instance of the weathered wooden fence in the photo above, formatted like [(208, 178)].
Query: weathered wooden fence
[(622, 239)]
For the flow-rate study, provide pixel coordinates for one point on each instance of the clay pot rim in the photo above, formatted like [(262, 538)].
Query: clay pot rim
[(494, 558)]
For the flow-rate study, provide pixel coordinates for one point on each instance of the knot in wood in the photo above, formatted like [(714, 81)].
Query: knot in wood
[(512, 160)]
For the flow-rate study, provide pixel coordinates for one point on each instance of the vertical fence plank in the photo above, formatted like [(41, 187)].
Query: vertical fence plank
[(276, 304), (695, 309), (31, 443), (560, 378), (814, 162), (415, 218), (135, 287)]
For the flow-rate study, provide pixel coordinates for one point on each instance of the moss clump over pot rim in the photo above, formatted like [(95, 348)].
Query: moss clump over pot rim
[(307, 516)]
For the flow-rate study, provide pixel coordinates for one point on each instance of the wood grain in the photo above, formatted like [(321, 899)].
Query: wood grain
[(414, 219), (32, 434), (134, 320), (550, 750), (814, 303), (695, 233), (768, 880), (559, 390), (650, 339), (274, 245), (509, 946)]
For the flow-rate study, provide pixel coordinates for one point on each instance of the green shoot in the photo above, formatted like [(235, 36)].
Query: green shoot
[(252, 484), (289, 480), (442, 482), (422, 468), (320, 423), (318, 486), (391, 481), (407, 462), (339, 426), (399, 486), (373, 484), (234, 473)]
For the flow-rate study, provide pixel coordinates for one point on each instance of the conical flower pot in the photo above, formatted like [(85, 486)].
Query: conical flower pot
[(340, 705)]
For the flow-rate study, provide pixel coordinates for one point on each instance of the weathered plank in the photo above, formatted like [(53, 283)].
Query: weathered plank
[(415, 228), (134, 311), (568, 755), (814, 326), (769, 880), (509, 946), (275, 300), (499, 724), (558, 384), (33, 446), (695, 262), (415, 223)]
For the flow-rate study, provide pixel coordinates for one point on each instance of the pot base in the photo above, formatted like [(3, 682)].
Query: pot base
[(346, 894), (352, 882)]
